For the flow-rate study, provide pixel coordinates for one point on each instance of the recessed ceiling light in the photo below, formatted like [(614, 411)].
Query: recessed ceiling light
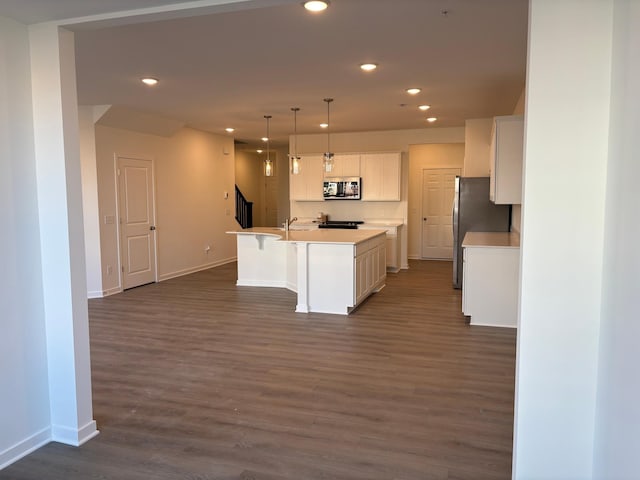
[(265, 139), (413, 91), (259, 151), (431, 119), (316, 5), (230, 130), (424, 108), (149, 81), (369, 67), (324, 125)]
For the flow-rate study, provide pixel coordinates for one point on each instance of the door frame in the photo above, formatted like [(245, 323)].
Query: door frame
[(116, 176), (422, 212)]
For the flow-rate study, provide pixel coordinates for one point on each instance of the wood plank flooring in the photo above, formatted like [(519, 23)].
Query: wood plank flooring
[(195, 378)]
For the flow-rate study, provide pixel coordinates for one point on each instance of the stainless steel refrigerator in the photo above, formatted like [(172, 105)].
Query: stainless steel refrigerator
[(474, 212)]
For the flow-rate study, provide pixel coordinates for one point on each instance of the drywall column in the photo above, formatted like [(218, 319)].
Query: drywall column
[(24, 387), (566, 151), (91, 218), (56, 139), (618, 417)]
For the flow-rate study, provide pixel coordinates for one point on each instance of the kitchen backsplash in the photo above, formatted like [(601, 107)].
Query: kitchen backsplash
[(350, 210)]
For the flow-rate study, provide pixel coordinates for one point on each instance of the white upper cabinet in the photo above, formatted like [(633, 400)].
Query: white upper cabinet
[(345, 165), (380, 174), (506, 160), (307, 185)]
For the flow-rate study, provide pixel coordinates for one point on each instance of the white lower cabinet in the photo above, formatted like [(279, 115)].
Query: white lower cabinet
[(370, 267), (393, 244), (490, 279)]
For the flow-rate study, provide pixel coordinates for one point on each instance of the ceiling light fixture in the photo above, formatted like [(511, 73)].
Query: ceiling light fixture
[(369, 67), (295, 159), (265, 139), (230, 130), (316, 6), (268, 164), (328, 156), (413, 91), (432, 119), (324, 125), (150, 81), (424, 108), (259, 151)]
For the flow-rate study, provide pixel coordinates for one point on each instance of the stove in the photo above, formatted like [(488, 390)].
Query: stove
[(344, 224)]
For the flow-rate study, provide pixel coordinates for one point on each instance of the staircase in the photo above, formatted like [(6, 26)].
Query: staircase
[(244, 210)]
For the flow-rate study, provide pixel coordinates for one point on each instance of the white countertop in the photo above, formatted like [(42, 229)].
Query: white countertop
[(491, 239), (320, 235)]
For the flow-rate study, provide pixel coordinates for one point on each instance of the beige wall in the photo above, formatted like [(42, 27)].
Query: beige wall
[(387, 141), (192, 173), (477, 139), (423, 157)]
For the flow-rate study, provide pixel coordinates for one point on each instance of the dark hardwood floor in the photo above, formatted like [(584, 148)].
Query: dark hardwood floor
[(195, 378)]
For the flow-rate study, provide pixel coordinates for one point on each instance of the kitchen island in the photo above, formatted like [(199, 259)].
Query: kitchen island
[(332, 271)]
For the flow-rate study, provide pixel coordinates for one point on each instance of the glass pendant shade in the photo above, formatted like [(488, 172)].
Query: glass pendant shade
[(328, 156), (296, 165), (268, 164)]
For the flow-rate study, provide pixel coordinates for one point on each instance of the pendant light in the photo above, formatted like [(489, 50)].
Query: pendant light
[(295, 159), (268, 164), (328, 156)]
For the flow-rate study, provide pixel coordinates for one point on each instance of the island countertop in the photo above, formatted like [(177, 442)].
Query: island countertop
[(328, 235)]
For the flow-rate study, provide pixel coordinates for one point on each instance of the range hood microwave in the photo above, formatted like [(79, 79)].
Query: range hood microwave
[(342, 188)]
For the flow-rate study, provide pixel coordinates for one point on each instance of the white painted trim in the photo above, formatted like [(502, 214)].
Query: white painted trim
[(25, 447), (111, 291), (74, 436), (95, 294), (262, 283), (187, 271)]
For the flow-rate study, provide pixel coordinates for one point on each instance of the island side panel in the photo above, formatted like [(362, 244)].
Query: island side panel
[(262, 261), (330, 273)]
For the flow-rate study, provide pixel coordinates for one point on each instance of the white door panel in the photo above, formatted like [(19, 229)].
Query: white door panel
[(438, 188), (137, 221)]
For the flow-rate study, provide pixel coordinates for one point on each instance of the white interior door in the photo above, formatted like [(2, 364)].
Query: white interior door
[(438, 187), (137, 221)]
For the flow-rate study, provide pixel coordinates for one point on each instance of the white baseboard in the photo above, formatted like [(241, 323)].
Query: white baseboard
[(111, 291), (74, 436), (95, 294), (187, 271), (262, 283), (25, 447)]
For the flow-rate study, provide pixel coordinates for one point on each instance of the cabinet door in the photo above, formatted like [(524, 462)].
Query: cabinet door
[(307, 185), (345, 165), (380, 176), (506, 160)]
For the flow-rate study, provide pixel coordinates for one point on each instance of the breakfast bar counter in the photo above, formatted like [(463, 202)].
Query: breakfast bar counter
[(332, 271)]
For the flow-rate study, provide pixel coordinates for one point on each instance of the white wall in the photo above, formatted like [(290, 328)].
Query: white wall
[(566, 143), (192, 172), (618, 416), (24, 395), (426, 156)]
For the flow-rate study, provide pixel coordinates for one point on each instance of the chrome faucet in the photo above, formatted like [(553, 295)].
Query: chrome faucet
[(287, 223)]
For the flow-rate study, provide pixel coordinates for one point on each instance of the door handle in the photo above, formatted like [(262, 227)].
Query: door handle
[(152, 227), (424, 219)]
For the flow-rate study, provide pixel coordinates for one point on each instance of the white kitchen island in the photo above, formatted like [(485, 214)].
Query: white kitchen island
[(331, 270)]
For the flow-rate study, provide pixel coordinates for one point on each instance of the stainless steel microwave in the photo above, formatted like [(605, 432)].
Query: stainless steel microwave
[(341, 188)]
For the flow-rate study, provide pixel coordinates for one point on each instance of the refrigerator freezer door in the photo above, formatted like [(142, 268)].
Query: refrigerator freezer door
[(475, 213)]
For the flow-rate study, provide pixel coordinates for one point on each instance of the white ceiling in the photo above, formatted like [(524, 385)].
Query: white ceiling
[(232, 68)]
